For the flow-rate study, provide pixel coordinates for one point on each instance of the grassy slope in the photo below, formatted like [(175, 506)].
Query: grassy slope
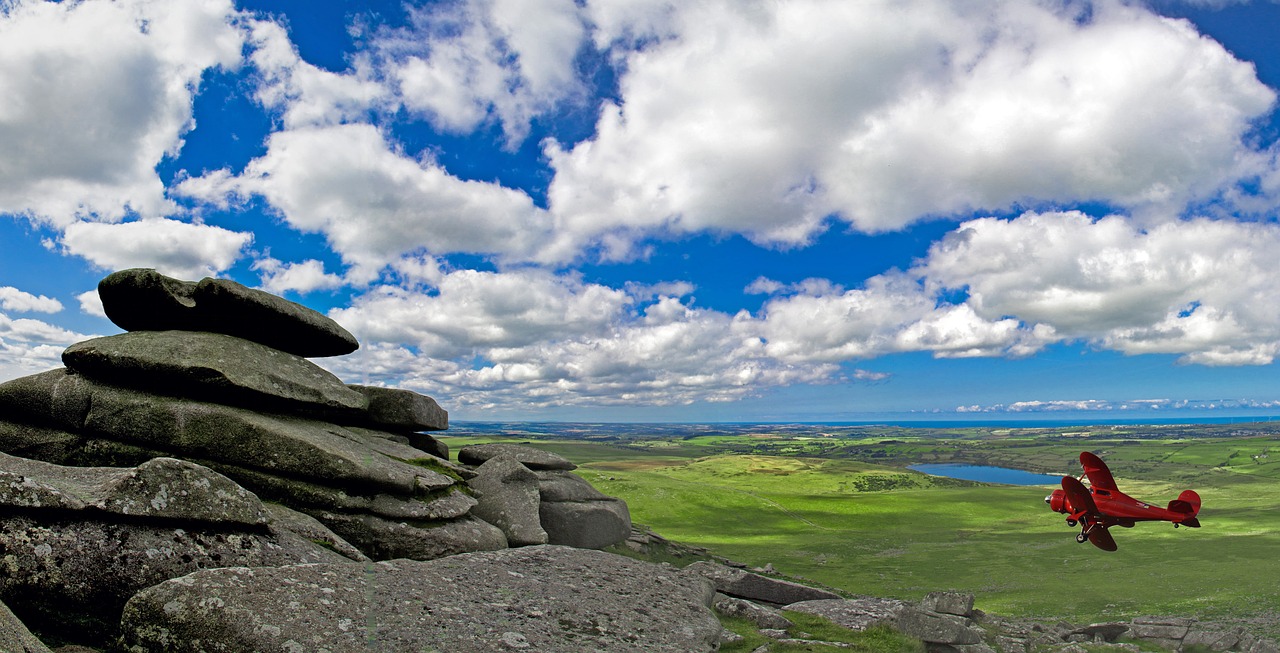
[(883, 531)]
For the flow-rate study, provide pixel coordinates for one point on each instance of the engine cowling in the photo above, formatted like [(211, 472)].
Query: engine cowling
[(1058, 502)]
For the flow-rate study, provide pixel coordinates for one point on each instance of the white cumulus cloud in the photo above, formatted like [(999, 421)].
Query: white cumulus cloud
[(18, 301), (94, 94), (179, 249)]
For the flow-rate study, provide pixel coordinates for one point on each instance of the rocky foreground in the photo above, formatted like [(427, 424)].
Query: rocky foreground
[(198, 484)]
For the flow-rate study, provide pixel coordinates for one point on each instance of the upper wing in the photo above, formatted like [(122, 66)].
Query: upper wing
[(1078, 498), (1096, 470)]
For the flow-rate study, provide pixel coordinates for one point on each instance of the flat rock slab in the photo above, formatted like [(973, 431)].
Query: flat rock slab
[(162, 488), (385, 539), (747, 585), (530, 457), (14, 636), (75, 575), (145, 300), (402, 410), (296, 447), (541, 598), (854, 614), (938, 628), (214, 367)]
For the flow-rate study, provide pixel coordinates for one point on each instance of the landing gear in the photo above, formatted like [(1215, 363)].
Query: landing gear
[(1071, 523), (1082, 537)]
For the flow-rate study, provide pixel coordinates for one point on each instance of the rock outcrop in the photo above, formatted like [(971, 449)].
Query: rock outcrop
[(204, 438), (542, 598)]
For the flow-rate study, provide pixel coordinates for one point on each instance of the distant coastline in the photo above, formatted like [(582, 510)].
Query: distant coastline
[(562, 428)]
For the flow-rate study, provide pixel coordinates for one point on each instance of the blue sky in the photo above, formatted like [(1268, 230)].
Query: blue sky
[(637, 210)]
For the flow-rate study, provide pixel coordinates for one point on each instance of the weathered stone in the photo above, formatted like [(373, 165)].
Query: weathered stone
[(566, 486), (585, 524), (957, 603), (391, 447), (759, 615), (141, 299), (540, 598), (37, 442), (530, 457), (1107, 632), (286, 446), (163, 488), (145, 300), (272, 320), (75, 575), (854, 614), (1161, 628), (937, 628), (214, 367), (402, 410), (433, 446), (444, 504), (56, 399), (384, 539), (754, 587), (1213, 639), (14, 636), (508, 499), (310, 528)]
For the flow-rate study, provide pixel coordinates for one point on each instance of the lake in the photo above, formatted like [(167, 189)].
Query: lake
[(988, 474)]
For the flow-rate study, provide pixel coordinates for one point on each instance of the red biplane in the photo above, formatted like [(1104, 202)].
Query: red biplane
[(1101, 505)]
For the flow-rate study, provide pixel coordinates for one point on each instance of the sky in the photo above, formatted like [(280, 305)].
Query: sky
[(699, 210)]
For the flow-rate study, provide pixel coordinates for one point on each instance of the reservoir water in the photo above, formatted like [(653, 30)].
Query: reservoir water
[(987, 474)]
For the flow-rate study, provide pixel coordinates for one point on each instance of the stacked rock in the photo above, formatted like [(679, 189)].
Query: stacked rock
[(216, 373), (203, 437)]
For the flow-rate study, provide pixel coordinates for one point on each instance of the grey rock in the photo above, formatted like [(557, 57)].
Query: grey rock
[(530, 457), (585, 524), (754, 587), (402, 410), (74, 575), (1160, 628), (145, 300), (37, 442), (56, 400), (163, 488), (1107, 632), (387, 444), (540, 598), (214, 367), (433, 446), (384, 539), (937, 628), (443, 504), (14, 636), (508, 499), (289, 446), (854, 614), (566, 486), (310, 528), (957, 603), (759, 615)]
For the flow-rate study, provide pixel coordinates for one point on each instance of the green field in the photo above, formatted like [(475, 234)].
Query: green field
[(879, 529)]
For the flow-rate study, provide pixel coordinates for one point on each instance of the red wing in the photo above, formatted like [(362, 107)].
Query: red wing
[(1101, 538), (1078, 497), (1099, 476)]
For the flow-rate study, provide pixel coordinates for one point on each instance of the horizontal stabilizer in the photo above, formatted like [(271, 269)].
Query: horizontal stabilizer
[(1187, 502)]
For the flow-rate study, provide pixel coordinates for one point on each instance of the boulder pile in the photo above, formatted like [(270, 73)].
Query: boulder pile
[(204, 438)]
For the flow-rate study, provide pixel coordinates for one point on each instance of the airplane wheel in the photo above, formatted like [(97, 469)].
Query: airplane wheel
[(1071, 523), (1082, 538)]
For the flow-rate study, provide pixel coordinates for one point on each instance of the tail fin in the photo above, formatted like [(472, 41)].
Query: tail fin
[(1188, 502)]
